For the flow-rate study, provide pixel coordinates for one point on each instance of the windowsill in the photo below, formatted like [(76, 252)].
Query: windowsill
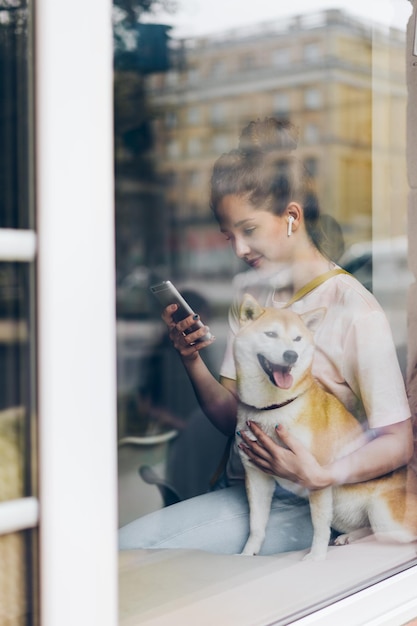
[(165, 587)]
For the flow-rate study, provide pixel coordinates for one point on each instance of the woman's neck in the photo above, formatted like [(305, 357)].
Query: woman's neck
[(307, 265)]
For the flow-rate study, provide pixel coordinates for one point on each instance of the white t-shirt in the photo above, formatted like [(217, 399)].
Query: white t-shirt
[(355, 356)]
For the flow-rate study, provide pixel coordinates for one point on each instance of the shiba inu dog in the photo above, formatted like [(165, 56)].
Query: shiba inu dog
[(274, 351)]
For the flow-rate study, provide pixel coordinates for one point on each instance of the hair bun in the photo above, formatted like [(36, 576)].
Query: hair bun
[(268, 135)]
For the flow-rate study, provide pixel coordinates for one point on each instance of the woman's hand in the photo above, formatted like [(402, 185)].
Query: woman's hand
[(186, 343), (378, 452), (293, 462)]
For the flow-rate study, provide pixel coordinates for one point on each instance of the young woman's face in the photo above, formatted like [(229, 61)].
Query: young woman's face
[(257, 236)]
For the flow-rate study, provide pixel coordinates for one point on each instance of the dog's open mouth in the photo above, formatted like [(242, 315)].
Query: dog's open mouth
[(279, 375)]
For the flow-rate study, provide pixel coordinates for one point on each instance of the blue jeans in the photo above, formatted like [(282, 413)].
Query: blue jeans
[(219, 522)]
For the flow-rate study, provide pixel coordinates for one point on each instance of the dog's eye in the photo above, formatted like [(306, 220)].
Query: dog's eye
[(298, 338), (272, 334)]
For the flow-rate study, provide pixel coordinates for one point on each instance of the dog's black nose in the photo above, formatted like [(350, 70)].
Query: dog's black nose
[(290, 357)]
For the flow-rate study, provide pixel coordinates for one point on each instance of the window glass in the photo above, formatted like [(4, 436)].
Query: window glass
[(15, 397), (220, 143), (171, 119), (311, 52), (346, 114), (18, 571), (312, 98), (281, 104), (217, 67), (194, 115), (14, 101), (218, 113), (13, 579), (173, 149), (281, 57), (311, 133), (193, 146)]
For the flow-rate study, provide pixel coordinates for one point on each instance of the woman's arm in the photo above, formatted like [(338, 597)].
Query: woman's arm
[(391, 447), (217, 400)]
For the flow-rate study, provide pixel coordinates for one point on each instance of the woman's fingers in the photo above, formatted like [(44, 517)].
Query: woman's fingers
[(286, 457), (263, 463), (167, 314), (268, 454), (184, 337), (190, 327), (254, 447)]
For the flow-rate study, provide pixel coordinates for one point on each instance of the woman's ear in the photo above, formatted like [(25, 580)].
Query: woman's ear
[(293, 215)]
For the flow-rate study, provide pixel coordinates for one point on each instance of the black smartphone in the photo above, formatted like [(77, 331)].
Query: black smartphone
[(167, 294)]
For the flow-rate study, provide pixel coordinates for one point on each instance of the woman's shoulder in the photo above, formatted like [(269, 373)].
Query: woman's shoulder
[(346, 290)]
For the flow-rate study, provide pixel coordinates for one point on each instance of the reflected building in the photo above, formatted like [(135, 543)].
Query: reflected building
[(340, 79)]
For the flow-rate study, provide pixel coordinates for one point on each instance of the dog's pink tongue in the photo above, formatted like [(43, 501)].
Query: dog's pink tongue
[(282, 379)]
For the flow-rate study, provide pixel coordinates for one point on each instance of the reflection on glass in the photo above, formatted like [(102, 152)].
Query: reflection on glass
[(317, 71), (15, 198), (15, 397), (13, 607)]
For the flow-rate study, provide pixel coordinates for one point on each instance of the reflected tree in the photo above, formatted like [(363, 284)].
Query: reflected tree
[(139, 49)]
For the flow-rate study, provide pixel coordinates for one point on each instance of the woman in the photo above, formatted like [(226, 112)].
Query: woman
[(264, 203)]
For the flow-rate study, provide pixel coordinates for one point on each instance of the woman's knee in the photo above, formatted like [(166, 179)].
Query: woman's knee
[(217, 522)]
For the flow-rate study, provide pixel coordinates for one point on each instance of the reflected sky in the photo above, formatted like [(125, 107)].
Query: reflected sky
[(199, 17)]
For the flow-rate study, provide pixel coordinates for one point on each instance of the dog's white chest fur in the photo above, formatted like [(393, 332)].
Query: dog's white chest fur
[(268, 420)]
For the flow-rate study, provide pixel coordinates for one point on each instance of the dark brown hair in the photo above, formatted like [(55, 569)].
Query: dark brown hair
[(264, 170)]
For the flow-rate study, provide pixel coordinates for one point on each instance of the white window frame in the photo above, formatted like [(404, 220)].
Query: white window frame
[(76, 313)]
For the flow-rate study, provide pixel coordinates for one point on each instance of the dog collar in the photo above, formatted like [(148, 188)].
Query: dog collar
[(278, 406), (272, 406)]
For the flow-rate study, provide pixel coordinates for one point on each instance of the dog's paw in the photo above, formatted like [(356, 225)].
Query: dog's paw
[(251, 547), (342, 540), (354, 535)]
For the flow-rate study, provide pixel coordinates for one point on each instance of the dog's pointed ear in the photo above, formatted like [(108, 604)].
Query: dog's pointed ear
[(313, 319), (250, 309)]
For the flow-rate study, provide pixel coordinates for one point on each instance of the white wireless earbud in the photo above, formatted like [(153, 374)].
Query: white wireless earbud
[(289, 227)]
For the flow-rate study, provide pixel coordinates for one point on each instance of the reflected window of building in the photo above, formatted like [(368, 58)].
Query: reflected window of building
[(312, 52), (173, 149), (281, 57), (282, 104), (313, 98), (218, 68), (171, 78), (194, 178), (311, 133), (218, 112), (194, 146), (248, 62), (171, 119), (220, 144), (194, 115), (193, 75)]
